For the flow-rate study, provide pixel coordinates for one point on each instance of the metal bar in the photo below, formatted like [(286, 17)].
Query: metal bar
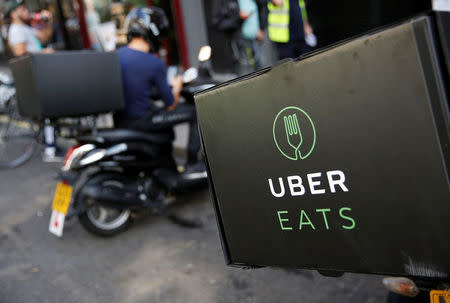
[(181, 36), (62, 24), (83, 25)]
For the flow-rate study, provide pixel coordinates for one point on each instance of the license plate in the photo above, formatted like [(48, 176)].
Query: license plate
[(62, 197), (60, 206), (439, 296)]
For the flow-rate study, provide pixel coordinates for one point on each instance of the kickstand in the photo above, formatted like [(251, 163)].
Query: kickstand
[(185, 222)]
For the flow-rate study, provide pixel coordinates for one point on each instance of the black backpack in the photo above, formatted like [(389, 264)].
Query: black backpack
[(226, 16)]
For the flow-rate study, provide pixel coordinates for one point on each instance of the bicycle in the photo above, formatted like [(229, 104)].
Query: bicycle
[(17, 134)]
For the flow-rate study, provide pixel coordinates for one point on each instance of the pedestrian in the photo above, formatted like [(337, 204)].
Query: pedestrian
[(227, 17), (22, 38), (248, 45), (288, 26)]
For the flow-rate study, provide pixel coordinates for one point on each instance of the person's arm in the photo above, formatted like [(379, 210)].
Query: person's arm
[(168, 95), (262, 14), (277, 2), (216, 12), (306, 25), (17, 41), (19, 49), (307, 28), (177, 85), (46, 33)]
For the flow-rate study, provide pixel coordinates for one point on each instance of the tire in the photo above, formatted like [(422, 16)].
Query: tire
[(17, 137), (95, 218)]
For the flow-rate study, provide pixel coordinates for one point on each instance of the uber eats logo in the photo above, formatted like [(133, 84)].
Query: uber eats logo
[(294, 133)]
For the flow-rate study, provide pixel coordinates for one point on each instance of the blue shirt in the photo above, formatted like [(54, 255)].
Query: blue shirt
[(140, 73), (250, 26), (296, 32)]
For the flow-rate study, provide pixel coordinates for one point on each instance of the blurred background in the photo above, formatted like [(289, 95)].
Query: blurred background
[(99, 25)]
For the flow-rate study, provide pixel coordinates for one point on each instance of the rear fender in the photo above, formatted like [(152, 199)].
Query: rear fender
[(76, 207), (74, 155), (95, 155)]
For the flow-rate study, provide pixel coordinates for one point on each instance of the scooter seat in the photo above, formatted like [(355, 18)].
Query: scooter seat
[(126, 135)]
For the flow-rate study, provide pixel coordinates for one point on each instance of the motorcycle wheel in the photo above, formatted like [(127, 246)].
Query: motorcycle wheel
[(102, 220)]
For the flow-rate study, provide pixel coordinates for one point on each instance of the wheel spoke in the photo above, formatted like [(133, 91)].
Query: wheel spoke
[(103, 214), (108, 218), (16, 137)]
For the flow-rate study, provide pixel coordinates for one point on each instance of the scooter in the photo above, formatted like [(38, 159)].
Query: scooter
[(110, 175)]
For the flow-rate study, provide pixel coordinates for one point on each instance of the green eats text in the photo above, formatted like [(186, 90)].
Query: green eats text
[(315, 219)]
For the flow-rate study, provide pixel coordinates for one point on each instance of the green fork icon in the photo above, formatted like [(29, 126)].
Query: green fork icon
[(293, 133)]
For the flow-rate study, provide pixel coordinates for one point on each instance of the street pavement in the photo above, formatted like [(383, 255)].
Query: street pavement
[(155, 260)]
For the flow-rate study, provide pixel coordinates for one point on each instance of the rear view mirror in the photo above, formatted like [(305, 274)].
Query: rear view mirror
[(190, 75)]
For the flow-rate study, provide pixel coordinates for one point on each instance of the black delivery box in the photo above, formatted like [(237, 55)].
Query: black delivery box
[(338, 161), (67, 84)]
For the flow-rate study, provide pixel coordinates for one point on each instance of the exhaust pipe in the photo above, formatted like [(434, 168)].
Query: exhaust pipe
[(115, 197)]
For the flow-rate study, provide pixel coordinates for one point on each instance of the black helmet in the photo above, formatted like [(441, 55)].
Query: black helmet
[(149, 23)]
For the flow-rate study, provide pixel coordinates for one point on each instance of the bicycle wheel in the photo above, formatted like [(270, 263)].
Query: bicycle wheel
[(17, 137)]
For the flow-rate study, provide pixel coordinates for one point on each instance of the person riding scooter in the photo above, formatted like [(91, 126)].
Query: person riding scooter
[(142, 71)]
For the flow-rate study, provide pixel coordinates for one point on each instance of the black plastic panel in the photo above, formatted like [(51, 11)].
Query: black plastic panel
[(371, 157), (67, 84)]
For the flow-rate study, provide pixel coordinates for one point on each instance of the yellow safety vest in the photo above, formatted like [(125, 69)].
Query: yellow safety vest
[(278, 20)]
